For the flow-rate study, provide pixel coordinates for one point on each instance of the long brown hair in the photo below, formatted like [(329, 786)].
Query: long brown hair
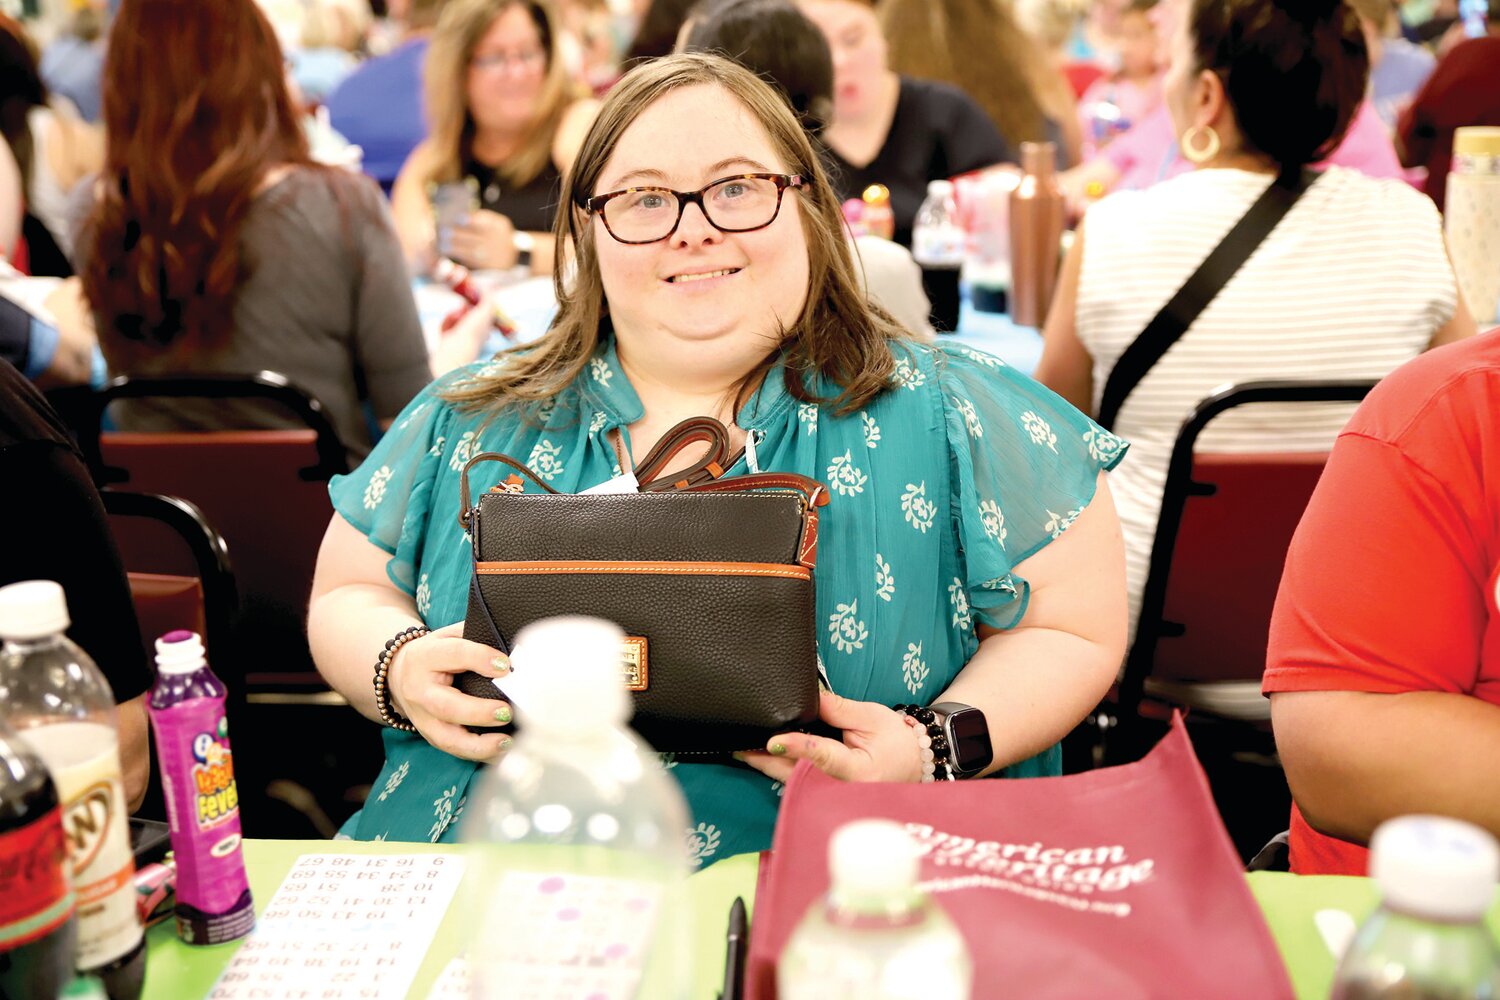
[(196, 113), (839, 335), (977, 46), (459, 30)]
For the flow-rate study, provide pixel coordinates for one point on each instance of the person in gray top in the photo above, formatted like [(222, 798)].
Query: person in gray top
[(214, 244)]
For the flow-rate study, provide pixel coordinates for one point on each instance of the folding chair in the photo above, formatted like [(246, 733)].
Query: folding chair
[(1221, 542)]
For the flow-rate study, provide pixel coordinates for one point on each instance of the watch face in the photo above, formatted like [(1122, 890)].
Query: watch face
[(971, 740)]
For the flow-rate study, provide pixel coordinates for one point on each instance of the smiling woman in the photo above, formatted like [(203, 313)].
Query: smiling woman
[(970, 555)]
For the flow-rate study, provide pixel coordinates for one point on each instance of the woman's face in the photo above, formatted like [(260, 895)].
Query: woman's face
[(659, 298), (506, 72), (859, 53)]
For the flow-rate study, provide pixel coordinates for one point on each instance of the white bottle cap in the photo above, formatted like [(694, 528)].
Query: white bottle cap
[(872, 858), (940, 188), (1435, 867), (568, 676), (180, 652), (33, 609)]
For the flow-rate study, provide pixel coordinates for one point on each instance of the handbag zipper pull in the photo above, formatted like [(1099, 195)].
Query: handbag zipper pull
[(750, 458)]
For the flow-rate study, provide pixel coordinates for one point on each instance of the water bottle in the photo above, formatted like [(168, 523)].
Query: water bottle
[(937, 245), (879, 219), (56, 700), (38, 926), (875, 936), (1036, 226), (986, 268), (203, 802), (579, 872), (1427, 941), (1471, 220)]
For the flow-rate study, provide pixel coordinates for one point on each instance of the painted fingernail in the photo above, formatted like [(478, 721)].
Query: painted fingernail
[(778, 749), (501, 663), (739, 756), (505, 743), (502, 714)]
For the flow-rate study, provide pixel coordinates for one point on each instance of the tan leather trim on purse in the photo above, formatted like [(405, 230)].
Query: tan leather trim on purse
[(542, 567)]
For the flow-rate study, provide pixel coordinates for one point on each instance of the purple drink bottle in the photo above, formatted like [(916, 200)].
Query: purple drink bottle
[(197, 768)]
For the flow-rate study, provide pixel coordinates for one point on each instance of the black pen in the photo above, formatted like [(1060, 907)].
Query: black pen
[(734, 953)]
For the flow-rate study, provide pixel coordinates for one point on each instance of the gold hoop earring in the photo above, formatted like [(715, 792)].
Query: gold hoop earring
[(1189, 142)]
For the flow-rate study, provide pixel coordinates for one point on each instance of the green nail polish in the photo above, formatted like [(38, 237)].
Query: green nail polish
[(739, 756), (778, 749), (502, 714), (505, 743), (501, 663)]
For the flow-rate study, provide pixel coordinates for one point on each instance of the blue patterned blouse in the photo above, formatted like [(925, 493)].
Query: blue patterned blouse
[(940, 487)]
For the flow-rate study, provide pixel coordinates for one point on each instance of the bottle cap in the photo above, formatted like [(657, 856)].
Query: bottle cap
[(876, 194), (1476, 140), (180, 652), (570, 670), (872, 858), (1038, 157), (33, 609), (940, 189), (1435, 867)]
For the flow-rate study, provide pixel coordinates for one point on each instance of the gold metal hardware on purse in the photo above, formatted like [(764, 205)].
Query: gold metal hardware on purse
[(634, 661)]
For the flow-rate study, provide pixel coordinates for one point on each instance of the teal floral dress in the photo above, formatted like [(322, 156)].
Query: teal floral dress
[(939, 487)]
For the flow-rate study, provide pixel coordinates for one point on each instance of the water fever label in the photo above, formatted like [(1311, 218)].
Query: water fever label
[(218, 800)]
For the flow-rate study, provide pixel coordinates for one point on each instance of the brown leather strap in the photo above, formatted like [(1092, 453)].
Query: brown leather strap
[(814, 492), (489, 456), (689, 432)]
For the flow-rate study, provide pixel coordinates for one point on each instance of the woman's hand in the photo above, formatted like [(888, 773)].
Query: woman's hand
[(420, 679), (878, 745), (487, 242)]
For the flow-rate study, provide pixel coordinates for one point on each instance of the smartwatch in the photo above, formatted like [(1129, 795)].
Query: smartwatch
[(968, 737), (525, 243)]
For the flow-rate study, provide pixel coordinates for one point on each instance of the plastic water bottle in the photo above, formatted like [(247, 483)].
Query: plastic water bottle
[(56, 700), (203, 802), (38, 927), (986, 268), (875, 936), (582, 858), (1427, 941), (937, 245)]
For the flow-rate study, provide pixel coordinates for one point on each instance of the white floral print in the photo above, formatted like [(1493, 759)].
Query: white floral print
[(597, 421), (546, 460), (1058, 523), (871, 429), (919, 511), (442, 813), (908, 375), (424, 596), (600, 370), (963, 618), (971, 418), (702, 843), (807, 415), (375, 488), (845, 630), (981, 358), (993, 521), (394, 781), (1040, 431), (885, 582), (844, 477), (436, 451), (463, 451), (914, 669), (1103, 446), (414, 414)]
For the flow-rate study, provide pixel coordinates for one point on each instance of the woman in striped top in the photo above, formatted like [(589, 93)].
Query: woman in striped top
[(1352, 282)]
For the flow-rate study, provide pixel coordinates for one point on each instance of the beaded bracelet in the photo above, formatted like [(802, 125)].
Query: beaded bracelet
[(937, 756), (383, 705)]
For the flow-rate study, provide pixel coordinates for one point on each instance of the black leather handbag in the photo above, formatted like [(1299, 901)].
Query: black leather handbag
[(711, 580)]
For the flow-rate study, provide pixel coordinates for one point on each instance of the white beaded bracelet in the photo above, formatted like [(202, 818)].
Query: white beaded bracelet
[(924, 748)]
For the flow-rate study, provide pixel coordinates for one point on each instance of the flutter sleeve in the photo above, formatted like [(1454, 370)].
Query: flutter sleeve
[(390, 497), (1023, 464)]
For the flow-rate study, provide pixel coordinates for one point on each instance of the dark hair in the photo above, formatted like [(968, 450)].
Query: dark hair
[(21, 89), (658, 30), (1295, 71), (775, 40), (1140, 6), (190, 134)]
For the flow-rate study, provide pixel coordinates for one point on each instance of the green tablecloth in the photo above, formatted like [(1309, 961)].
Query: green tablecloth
[(178, 972)]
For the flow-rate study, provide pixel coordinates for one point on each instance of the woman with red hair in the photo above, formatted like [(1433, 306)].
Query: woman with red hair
[(216, 245)]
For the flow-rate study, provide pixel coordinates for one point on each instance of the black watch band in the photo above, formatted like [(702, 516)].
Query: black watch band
[(968, 734)]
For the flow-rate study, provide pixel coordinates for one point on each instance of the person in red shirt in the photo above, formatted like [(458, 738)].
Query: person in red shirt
[(1384, 660)]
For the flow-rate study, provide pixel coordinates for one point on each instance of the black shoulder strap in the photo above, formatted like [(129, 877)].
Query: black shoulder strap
[(1168, 326)]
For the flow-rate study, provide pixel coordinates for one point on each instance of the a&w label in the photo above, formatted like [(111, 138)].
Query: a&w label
[(85, 763)]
